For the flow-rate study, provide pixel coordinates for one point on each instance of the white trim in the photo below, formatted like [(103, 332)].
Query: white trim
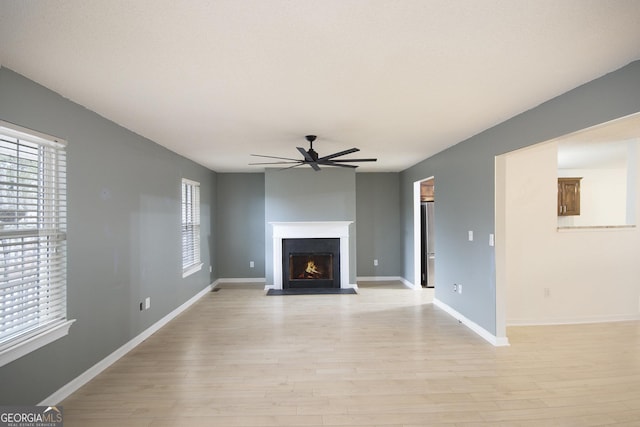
[(416, 232), (311, 229), (404, 281), (379, 278), (20, 132), (408, 284), (191, 269), (30, 344), (190, 182), (488, 336), (239, 280), (574, 320), (66, 390)]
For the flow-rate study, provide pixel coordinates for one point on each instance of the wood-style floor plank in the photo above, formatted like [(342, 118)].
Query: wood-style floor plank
[(384, 357)]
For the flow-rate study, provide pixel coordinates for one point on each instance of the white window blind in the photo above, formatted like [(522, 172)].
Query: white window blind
[(190, 227), (33, 279)]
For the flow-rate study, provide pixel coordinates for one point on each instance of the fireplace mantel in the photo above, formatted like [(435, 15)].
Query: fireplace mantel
[(311, 229)]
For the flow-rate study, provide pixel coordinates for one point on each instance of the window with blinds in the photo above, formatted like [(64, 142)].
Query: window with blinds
[(190, 227), (33, 278)]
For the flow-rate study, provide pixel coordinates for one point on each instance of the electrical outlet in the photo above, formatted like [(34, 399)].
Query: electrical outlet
[(210, 269), (251, 264), (491, 240), (455, 288), (459, 289), (471, 235), (375, 262), (147, 303)]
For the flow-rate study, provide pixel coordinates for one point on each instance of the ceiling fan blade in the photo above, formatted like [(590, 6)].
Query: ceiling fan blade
[(314, 165), (276, 163), (308, 159), (342, 165), (355, 160), (291, 167), (341, 153), (274, 157), (306, 155)]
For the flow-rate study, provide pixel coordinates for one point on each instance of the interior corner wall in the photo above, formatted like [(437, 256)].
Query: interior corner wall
[(307, 195), (240, 225), (123, 240), (378, 224), (465, 188)]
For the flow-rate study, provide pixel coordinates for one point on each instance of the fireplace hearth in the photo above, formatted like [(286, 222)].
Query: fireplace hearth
[(311, 263)]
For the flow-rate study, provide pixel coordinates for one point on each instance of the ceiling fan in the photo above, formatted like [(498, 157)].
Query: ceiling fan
[(312, 158)]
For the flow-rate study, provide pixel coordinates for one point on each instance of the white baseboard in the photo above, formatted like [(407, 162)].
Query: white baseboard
[(408, 284), (386, 279), (488, 336), (573, 320), (377, 278), (239, 280), (96, 369)]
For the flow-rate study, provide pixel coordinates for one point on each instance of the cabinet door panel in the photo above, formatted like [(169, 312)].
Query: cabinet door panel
[(568, 196)]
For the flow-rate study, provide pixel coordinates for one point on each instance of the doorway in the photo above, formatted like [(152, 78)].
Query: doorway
[(424, 233)]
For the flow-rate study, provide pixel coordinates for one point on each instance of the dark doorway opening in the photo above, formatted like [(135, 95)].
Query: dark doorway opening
[(427, 236)]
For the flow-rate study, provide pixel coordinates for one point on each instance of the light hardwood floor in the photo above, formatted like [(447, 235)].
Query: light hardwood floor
[(384, 357)]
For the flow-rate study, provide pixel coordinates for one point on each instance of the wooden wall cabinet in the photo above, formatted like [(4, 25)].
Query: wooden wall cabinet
[(568, 196)]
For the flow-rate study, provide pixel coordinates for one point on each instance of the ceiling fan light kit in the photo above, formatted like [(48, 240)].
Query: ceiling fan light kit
[(311, 158)]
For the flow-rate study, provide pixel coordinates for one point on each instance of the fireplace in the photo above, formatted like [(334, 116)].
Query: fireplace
[(311, 263), (336, 231)]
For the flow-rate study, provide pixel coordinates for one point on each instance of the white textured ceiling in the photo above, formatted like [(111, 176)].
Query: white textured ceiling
[(400, 79)]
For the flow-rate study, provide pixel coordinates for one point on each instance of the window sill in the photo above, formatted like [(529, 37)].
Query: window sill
[(190, 270), (34, 342)]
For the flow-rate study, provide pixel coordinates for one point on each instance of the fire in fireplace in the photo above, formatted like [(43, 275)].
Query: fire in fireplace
[(311, 266), (311, 263)]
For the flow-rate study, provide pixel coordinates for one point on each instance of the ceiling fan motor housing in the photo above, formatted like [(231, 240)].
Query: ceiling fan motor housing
[(313, 154)]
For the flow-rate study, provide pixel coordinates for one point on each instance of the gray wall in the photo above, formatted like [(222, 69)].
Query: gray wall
[(241, 214), (123, 236), (464, 177), (307, 195), (240, 225), (378, 224)]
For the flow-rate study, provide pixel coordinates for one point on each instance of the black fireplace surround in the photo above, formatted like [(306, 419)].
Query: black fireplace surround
[(310, 263)]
